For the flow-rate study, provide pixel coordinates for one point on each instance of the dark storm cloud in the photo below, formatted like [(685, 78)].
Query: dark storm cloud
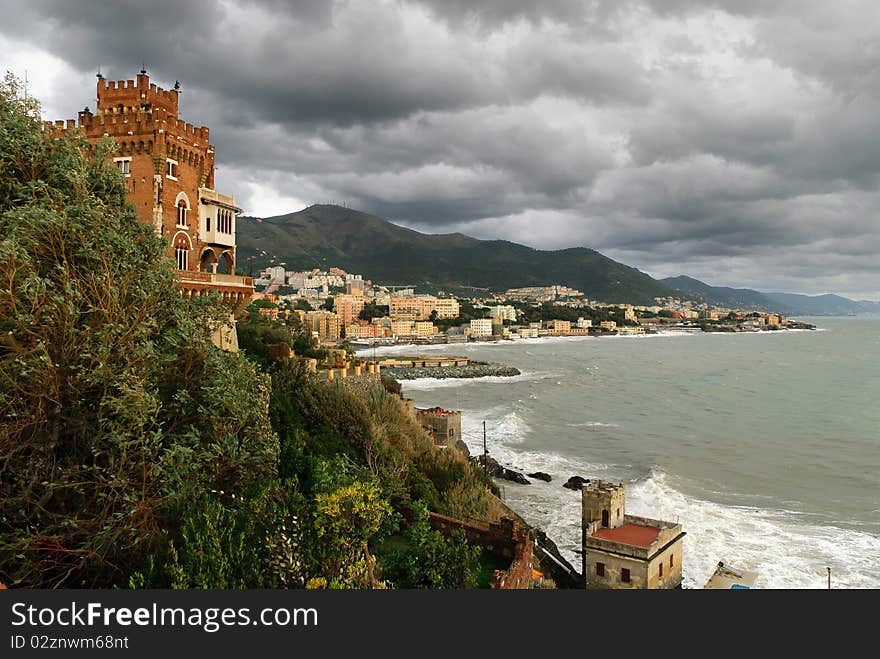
[(734, 140)]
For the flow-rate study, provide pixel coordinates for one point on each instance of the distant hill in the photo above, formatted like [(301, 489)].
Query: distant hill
[(823, 305), (790, 304), (321, 236), (735, 298)]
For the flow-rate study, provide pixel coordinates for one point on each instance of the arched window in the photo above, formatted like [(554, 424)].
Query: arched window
[(181, 251), (182, 203)]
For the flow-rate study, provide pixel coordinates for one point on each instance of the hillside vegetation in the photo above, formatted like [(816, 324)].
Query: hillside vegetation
[(133, 453)]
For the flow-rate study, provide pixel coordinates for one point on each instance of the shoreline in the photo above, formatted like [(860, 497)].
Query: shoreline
[(390, 349)]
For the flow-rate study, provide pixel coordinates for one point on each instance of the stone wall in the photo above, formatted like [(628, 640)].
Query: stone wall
[(508, 539)]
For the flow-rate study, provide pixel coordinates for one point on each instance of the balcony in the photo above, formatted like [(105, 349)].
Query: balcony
[(217, 216), (234, 289)]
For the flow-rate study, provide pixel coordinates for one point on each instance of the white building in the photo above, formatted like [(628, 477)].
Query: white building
[(481, 327)]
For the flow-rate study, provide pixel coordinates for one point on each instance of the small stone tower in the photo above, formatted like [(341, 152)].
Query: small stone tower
[(604, 502), (603, 505)]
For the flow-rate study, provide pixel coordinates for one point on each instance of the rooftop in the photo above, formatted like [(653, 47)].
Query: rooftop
[(636, 535), (436, 411)]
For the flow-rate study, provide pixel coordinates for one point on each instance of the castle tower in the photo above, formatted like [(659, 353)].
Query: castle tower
[(168, 166), (605, 503)]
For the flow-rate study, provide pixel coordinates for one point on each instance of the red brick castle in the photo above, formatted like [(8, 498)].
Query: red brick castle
[(168, 165)]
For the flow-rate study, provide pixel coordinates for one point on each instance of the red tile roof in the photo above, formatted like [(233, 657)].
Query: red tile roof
[(630, 534)]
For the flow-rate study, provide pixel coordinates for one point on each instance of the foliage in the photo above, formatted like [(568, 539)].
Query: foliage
[(372, 310), (431, 561), (257, 334), (115, 408), (347, 519)]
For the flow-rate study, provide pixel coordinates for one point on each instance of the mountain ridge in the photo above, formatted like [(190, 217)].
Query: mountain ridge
[(325, 235)]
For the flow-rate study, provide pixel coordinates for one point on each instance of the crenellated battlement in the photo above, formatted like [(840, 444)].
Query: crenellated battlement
[(120, 96), (134, 123)]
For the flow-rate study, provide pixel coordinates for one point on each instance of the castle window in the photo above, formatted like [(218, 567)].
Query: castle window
[(671, 560), (171, 171), (661, 570), (624, 575), (182, 210), (208, 223), (181, 254), (124, 165), (600, 569)]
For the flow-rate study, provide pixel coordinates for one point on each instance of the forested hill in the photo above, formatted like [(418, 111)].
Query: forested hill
[(321, 236)]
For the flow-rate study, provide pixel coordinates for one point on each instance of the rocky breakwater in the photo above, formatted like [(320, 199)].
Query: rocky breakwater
[(472, 370)]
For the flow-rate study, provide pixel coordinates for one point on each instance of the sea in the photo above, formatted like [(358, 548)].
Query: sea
[(764, 446)]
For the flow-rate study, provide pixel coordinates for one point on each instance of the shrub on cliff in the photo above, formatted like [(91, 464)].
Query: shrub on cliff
[(116, 411)]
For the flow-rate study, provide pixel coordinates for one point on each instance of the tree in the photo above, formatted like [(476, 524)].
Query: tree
[(372, 310), (348, 518), (116, 411), (328, 304)]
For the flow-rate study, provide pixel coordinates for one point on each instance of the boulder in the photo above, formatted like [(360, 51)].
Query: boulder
[(575, 482), (496, 470), (541, 476)]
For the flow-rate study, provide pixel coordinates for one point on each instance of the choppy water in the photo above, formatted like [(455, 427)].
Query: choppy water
[(766, 447)]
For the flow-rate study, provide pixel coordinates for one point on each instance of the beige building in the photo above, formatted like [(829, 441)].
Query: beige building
[(324, 323), (629, 313), (348, 308), (559, 326), (446, 307), (420, 307), (423, 328), (403, 327), (626, 551), (609, 325)]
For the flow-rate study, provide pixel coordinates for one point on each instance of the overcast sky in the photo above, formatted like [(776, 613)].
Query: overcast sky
[(737, 141)]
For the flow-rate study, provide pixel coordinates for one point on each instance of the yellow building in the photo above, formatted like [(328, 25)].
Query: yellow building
[(609, 325), (424, 328)]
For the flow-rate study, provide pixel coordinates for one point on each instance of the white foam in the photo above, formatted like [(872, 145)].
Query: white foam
[(786, 548)]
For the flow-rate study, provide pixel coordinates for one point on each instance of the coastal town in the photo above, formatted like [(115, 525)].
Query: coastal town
[(341, 308)]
